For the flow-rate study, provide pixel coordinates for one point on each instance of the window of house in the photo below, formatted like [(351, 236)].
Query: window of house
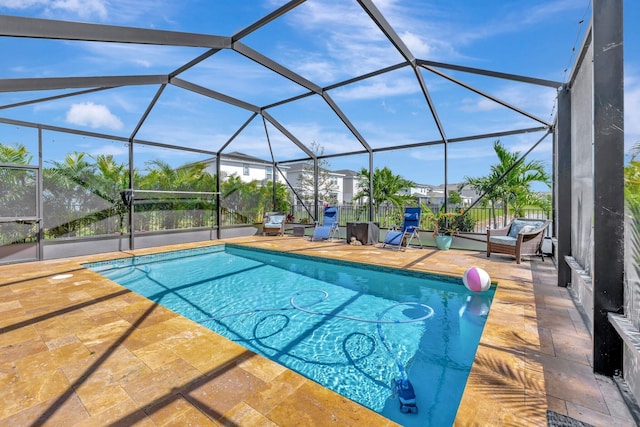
[(269, 172), (245, 169)]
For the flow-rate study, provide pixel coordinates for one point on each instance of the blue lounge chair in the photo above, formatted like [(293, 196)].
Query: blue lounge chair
[(410, 229), (329, 227)]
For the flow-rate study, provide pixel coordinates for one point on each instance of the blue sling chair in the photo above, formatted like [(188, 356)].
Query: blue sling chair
[(329, 227), (410, 227)]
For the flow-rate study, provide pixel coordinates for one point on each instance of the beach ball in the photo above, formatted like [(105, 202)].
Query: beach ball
[(476, 279)]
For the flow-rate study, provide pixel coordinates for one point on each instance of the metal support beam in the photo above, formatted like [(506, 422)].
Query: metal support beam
[(608, 155), (379, 19), (273, 164), (40, 199), (346, 121), (147, 111), (213, 94), (505, 76), (370, 186), (269, 18), (492, 136), (238, 132), (132, 215), (218, 198), (16, 26), (52, 83), (53, 98), (102, 136), (275, 67), (289, 135), (436, 119), (562, 186), (316, 180), (486, 95), (505, 173)]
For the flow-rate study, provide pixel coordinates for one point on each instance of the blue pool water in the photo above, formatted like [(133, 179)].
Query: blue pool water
[(347, 326)]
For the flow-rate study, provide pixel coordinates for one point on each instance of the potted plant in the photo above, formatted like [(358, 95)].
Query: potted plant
[(444, 228)]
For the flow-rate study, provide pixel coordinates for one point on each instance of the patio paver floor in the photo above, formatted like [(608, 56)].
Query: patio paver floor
[(82, 350)]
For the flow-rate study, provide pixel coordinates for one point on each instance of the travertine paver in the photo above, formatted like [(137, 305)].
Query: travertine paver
[(81, 350)]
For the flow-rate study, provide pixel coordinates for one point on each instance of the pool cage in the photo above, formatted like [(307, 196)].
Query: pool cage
[(55, 208)]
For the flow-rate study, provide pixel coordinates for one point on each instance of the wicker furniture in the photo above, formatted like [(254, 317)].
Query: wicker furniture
[(274, 223), (523, 237)]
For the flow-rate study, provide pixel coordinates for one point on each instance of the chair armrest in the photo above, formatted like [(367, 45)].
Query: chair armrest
[(498, 231), (530, 235)]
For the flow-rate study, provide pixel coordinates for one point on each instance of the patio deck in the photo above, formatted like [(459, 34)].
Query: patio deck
[(77, 349)]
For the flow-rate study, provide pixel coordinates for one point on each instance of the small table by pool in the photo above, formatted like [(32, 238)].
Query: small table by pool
[(298, 230), (367, 232)]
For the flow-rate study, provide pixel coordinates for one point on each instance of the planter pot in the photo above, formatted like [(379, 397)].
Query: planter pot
[(443, 242)]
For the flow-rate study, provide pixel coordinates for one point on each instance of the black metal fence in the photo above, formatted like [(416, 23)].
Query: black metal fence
[(391, 216), (79, 224)]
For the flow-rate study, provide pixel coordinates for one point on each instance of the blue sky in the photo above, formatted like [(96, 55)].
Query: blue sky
[(325, 42)]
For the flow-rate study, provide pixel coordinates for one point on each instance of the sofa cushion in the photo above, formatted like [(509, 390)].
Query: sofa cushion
[(518, 225), (503, 240), (528, 229), (274, 220)]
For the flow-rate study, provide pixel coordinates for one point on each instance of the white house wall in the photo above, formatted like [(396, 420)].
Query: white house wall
[(257, 172)]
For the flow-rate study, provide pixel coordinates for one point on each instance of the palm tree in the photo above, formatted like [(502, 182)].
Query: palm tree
[(111, 179), (18, 190), (632, 179), (510, 182), (69, 194), (178, 211), (485, 185), (387, 188), (82, 194), (16, 154)]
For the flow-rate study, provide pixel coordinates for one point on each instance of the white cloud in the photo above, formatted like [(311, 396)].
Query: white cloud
[(115, 150), (388, 108), (121, 55), (416, 44), (82, 8), (116, 11), (93, 115), (22, 4), (479, 103), (378, 88), (345, 41), (536, 101)]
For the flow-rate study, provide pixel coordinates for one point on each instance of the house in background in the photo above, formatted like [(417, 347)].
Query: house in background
[(436, 194), (345, 181), (350, 186), (420, 192), (247, 168), (298, 171)]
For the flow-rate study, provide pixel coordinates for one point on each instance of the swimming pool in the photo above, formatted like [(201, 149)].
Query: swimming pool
[(350, 327)]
